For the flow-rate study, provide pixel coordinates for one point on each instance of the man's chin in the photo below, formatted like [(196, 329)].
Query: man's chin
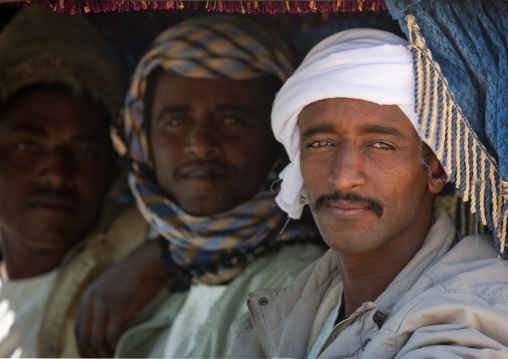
[(206, 206), (352, 245), (53, 241), (347, 235)]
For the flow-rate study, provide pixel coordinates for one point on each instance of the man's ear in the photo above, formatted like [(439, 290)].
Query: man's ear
[(437, 177)]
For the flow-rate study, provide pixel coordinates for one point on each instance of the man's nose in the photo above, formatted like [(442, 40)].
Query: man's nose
[(202, 142), (347, 170), (56, 169)]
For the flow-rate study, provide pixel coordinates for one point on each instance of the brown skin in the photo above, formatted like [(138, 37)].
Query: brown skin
[(218, 129), (370, 155), (56, 164), (52, 148), (110, 302), (211, 140)]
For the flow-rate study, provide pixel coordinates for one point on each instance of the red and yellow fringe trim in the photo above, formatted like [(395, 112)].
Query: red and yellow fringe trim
[(244, 7)]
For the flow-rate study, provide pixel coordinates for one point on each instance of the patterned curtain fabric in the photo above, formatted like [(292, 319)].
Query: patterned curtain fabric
[(244, 7), (461, 47)]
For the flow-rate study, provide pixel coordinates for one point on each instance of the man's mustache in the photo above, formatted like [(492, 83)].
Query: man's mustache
[(350, 197)]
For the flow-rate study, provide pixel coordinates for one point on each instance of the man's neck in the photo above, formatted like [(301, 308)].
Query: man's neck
[(18, 261), (366, 276)]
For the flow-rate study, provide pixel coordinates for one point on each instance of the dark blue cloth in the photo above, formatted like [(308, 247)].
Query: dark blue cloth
[(469, 40)]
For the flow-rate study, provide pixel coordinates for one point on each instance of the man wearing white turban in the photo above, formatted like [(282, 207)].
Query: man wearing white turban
[(397, 281)]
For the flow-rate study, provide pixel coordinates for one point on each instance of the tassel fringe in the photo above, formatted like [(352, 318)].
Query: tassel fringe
[(465, 159), (244, 7)]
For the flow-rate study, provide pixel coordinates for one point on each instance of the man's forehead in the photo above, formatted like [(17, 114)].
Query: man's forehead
[(362, 116), (225, 94), (47, 113), (167, 78), (81, 135)]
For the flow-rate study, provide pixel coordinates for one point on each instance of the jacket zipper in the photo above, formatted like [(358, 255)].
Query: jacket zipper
[(258, 334), (321, 349)]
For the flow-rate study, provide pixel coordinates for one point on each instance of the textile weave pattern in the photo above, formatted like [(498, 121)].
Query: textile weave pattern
[(460, 50)]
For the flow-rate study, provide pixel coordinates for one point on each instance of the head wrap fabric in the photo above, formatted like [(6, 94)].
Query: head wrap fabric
[(206, 47), (365, 64), (214, 249), (209, 249), (40, 47), (460, 49)]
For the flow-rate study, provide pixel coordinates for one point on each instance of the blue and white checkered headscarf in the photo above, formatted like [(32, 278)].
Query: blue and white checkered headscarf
[(213, 249), (206, 47)]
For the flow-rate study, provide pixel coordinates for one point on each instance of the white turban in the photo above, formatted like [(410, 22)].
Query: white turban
[(365, 64)]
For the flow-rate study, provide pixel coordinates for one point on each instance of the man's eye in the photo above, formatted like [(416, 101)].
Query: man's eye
[(382, 146), (319, 144), (174, 121), (86, 154), (233, 120), (26, 146)]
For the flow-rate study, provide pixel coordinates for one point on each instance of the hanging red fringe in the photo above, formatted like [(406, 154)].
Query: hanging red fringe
[(244, 7)]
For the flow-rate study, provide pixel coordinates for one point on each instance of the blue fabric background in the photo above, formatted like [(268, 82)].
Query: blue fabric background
[(469, 40)]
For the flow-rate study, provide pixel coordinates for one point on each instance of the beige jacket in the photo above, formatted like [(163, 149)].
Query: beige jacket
[(121, 230), (450, 301)]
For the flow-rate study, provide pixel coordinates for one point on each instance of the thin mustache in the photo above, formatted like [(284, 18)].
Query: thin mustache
[(187, 166), (62, 197), (350, 197)]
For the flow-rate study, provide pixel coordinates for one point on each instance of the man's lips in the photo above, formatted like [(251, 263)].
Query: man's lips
[(348, 204), (348, 208), (53, 202), (202, 171)]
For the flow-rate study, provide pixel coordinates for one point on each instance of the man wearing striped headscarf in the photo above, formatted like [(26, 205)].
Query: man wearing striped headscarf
[(196, 133)]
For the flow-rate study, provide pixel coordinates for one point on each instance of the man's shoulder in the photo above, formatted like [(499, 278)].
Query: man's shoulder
[(473, 266), (280, 267), (294, 254), (466, 291), (473, 258), (470, 276), (117, 235), (479, 246)]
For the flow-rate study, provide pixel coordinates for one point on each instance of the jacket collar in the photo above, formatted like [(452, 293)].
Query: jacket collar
[(278, 315)]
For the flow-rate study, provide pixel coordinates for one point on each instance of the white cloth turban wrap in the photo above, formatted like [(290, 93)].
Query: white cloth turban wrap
[(365, 64)]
